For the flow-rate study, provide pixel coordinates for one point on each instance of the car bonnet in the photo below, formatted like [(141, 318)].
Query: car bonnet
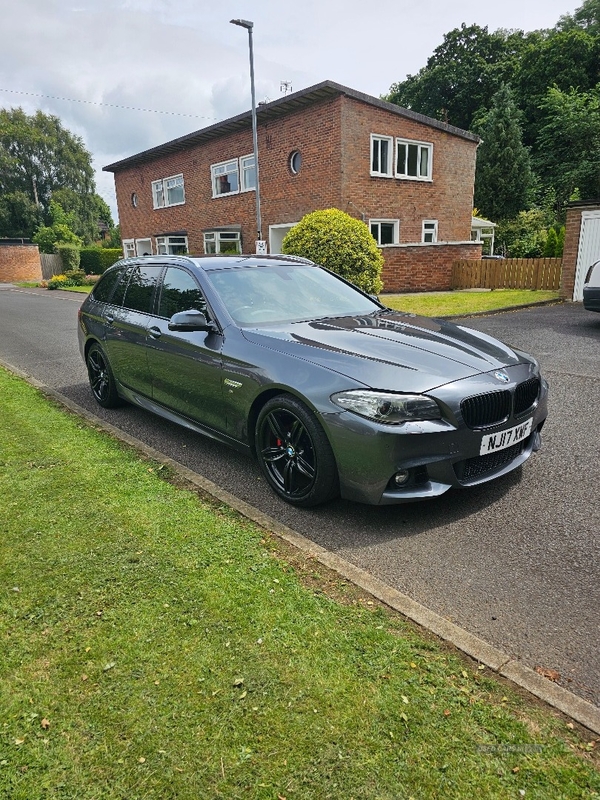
[(389, 350)]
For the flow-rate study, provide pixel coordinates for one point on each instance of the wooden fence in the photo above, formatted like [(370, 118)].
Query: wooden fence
[(51, 265), (507, 273)]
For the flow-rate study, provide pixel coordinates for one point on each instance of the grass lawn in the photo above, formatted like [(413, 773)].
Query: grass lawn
[(155, 645), (444, 304)]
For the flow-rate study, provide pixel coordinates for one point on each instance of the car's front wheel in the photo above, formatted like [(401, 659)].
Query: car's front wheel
[(102, 382), (294, 453)]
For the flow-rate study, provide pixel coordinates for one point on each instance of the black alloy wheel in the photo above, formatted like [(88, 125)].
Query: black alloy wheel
[(102, 382), (294, 453)]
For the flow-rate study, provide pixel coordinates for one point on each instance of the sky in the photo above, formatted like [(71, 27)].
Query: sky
[(126, 75)]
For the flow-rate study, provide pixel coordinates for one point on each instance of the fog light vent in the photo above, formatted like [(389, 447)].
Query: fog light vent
[(402, 477)]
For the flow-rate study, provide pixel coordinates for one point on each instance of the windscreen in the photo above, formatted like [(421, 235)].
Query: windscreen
[(286, 293)]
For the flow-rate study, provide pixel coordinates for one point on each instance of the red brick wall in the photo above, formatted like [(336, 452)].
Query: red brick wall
[(424, 268), (448, 198), (20, 263), (285, 197), (333, 137)]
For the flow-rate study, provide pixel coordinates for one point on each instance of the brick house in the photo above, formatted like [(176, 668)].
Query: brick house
[(409, 177)]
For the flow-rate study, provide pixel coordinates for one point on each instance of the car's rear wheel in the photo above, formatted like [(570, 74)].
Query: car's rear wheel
[(294, 453), (102, 382)]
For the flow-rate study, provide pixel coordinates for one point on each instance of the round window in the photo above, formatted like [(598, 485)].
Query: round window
[(295, 162), (134, 200)]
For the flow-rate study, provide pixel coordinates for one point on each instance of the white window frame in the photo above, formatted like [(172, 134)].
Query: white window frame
[(165, 245), (247, 166), (220, 237), (430, 226), (396, 231), (421, 146), (128, 248), (161, 190), (376, 140)]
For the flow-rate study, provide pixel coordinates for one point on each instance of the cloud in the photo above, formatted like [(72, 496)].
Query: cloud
[(183, 58)]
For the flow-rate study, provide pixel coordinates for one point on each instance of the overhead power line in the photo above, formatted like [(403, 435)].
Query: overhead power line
[(108, 105)]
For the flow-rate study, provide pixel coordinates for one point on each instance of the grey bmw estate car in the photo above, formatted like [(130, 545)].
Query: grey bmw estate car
[(332, 392)]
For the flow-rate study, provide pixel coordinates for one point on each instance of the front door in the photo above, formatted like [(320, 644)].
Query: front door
[(186, 366)]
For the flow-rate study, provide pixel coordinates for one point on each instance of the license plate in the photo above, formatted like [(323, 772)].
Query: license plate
[(500, 441)]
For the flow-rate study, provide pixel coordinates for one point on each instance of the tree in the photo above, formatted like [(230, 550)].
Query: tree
[(58, 232), (503, 178), (524, 236), (19, 215), (38, 157), (586, 17), (568, 60), (568, 144), (86, 213), (462, 75), (340, 243)]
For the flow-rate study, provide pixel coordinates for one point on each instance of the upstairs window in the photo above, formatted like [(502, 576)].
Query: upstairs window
[(381, 155), (248, 172), (168, 192), (231, 177), (413, 159)]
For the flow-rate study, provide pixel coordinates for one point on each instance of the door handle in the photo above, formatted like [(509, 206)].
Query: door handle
[(155, 332)]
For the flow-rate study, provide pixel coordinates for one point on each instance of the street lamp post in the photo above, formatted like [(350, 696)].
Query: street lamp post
[(244, 23)]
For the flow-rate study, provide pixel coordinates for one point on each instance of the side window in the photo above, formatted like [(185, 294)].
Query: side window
[(140, 290), (104, 288), (180, 292)]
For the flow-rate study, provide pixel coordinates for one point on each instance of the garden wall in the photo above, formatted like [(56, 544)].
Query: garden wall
[(19, 262)]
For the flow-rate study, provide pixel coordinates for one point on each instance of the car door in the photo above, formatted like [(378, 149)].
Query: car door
[(186, 366), (126, 325)]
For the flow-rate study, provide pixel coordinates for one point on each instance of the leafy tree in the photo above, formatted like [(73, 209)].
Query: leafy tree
[(85, 212), (340, 243), (462, 75), (503, 178), (59, 232), (568, 144), (524, 236), (38, 157), (18, 215), (586, 17), (569, 60)]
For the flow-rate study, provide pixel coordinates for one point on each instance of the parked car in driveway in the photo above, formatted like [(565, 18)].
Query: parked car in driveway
[(330, 390), (591, 288)]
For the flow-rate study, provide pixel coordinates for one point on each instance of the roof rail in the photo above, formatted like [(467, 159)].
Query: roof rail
[(273, 256)]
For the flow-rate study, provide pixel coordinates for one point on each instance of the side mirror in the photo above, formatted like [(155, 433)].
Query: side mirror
[(191, 320)]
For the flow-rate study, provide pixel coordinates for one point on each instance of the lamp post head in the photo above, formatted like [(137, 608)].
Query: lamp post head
[(243, 23)]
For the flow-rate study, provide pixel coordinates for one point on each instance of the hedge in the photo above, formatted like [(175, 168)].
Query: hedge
[(95, 260)]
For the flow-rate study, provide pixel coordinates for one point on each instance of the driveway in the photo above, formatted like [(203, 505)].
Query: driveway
[(514, 562)]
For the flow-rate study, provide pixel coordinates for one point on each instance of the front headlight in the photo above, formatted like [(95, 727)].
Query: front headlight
[(392, 409)]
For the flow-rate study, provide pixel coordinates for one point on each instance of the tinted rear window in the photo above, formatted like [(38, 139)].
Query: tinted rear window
[(140, 290), (103, 290)]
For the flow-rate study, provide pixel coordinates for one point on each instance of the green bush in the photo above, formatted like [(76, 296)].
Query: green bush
[(47, 238), (69, 255), (58, 282), (95, 260), (340, 243), (76, 277)]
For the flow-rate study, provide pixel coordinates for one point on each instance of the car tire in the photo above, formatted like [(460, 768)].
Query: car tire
[(294, 453), (102, 381)]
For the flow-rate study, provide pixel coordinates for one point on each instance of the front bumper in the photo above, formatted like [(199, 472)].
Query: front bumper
[(438, 454)]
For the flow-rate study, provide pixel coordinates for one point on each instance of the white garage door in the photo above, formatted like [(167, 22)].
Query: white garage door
[(589, 249)]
